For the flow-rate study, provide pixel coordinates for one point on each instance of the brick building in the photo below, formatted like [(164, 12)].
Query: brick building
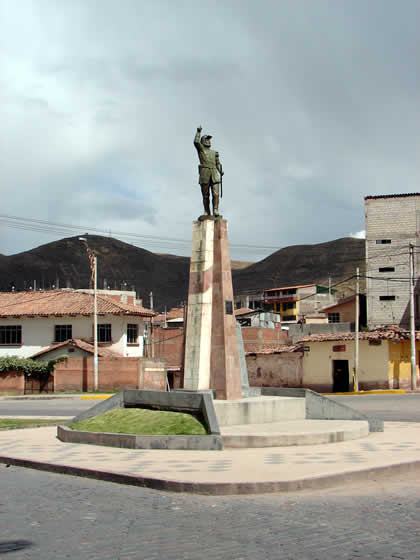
[(392, 223)]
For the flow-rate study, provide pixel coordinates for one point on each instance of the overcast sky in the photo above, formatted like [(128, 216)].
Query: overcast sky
[(312, 104)]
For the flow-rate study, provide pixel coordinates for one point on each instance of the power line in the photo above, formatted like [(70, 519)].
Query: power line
[(44, 226)]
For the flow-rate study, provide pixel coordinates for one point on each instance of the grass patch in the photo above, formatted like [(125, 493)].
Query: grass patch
[(18, 422), (141, 421)]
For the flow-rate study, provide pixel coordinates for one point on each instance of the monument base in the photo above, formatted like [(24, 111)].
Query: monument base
[(211, 343)]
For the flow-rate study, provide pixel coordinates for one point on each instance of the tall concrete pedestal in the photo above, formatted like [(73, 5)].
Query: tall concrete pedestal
[(211, 343)]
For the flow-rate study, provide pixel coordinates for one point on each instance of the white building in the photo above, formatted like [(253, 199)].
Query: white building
[(392, 223), (33, 321)]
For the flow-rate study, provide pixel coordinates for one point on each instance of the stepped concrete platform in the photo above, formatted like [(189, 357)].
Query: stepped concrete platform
[(259, 410), (297, 432), (232, 471)]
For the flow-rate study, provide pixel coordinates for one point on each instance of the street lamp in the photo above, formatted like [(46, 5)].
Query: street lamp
[(93, 268)]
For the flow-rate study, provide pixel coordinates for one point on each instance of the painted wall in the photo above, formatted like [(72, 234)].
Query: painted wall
[(400, 364), (318, 365), (38, 333)]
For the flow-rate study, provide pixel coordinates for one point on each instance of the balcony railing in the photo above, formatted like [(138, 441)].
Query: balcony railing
[(280, 298)]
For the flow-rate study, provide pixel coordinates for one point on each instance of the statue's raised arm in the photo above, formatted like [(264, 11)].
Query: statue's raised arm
[(209, 171)]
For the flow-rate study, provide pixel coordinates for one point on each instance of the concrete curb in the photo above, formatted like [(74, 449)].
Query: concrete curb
[(224, 488), (131, 441), (373, 392)]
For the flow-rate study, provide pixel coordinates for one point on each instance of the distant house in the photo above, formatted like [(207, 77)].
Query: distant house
[(31, 322), (252, 300), (170, 320), (294, 303), (384, 360), (344, 311), (257, 318)]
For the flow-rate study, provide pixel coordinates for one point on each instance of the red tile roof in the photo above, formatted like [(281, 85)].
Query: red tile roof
[(390, 332), (276, 350), (174, 313), (78, 343), (63, 303)]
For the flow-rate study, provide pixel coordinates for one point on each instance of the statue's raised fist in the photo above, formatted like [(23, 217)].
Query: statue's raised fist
[(199, 128)]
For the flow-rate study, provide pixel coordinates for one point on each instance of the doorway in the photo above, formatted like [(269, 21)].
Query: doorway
[(341, 383)]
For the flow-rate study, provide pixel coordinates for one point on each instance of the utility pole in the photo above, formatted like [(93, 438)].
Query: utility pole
[(412, 323), (151, 300), (356, 336), (94, 269), (95, 326)]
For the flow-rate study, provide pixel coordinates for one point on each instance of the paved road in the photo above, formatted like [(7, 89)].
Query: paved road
[(55, 517), (403, 407), (393, 407), (53, 407)]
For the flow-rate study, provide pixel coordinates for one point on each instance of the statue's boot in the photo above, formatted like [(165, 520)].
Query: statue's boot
[(206, 203), (216, 205)]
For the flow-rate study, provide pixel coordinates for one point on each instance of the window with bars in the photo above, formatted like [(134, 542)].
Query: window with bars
[(386, 298), (333, 317), (132, 334), (62, 333), (104, 332), (10, 334)]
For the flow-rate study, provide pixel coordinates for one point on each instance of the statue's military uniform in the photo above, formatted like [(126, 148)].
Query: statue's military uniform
[(209, 177)]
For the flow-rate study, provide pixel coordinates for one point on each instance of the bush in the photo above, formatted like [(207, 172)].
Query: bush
[(31, 368)]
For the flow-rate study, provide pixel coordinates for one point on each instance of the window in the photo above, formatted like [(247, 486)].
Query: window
[(386, 298), (387, 269), (12, 334), (62, 333), (104, 333), (289, 305), (383, 242), (289, 318), (333, 317), (132, 334)]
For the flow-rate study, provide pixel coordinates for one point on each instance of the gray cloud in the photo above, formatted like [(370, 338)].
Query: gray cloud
[(312, 104)]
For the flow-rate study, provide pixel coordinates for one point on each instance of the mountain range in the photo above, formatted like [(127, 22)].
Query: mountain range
[(65, 263)]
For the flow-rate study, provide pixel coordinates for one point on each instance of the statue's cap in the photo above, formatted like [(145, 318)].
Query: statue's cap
[(206, 136)]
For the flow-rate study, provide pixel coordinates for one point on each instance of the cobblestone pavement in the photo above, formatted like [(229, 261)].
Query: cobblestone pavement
[(54, 517)]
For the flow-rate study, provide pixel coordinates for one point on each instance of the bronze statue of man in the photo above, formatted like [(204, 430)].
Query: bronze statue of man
[(210, 172)]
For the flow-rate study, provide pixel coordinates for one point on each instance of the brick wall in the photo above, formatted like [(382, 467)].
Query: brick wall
[(259, 338), (168, 344), (275, 370), (114, 374), (12, 382)]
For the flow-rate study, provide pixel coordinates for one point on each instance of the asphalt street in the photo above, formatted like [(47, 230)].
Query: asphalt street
[(55, 517), (50, 407), (391, 407), (400, 407)]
